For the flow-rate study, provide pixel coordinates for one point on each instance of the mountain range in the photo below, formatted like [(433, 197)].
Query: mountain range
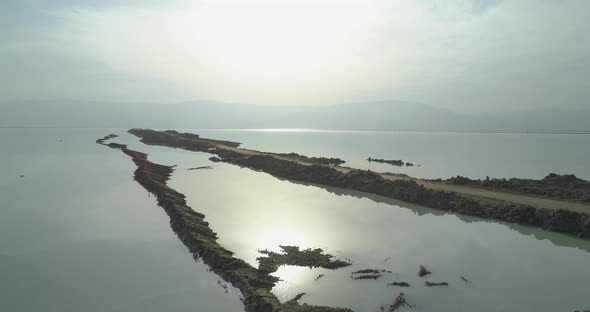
[(384, 115)]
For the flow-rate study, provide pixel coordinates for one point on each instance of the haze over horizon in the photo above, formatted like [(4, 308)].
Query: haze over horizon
[(466, 55)]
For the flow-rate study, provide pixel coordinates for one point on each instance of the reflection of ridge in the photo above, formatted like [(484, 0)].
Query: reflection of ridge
[(557, 239)]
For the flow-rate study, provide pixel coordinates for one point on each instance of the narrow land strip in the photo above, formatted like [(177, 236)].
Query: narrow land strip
[(551, 214)]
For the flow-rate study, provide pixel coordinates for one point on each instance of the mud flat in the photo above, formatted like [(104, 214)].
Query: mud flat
[(437, 195), (199, 238)]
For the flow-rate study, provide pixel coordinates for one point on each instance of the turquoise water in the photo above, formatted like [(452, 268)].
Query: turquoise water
[(78, 234)]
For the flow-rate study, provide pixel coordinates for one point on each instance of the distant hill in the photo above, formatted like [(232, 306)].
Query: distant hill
[(385, 115)]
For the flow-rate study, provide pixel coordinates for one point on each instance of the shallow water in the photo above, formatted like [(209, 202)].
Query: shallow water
[(77, 233)]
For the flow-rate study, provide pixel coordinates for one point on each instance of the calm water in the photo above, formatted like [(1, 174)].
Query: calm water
[(76, 233)]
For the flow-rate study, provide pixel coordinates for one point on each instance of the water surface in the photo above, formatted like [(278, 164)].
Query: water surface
[(78, 234), (509, 267)]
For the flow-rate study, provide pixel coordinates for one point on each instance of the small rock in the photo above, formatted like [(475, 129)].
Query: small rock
[(367, 276), (366, 271), (400, 301), (430, 284), (423, 271), (400, 284), (202, 167), (214, 159)]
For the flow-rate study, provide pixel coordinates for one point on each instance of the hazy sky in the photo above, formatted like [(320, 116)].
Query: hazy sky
[(469, 55)]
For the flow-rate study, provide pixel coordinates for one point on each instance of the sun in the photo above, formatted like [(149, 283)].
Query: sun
[(265, 40)]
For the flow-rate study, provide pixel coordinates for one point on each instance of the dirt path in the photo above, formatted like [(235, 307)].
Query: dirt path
[(539, 202)]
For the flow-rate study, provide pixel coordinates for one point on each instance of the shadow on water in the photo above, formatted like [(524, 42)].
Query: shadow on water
[(557, 239)]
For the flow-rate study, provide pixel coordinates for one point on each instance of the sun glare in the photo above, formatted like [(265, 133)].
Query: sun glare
[(276, 39)]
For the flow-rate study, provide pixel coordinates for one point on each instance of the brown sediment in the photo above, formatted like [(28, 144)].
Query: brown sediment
[(291, 255), (553, 215), (197, 236)]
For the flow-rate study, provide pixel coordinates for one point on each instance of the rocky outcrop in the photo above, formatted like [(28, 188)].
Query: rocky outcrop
[(291, 255), (398, 162), (199, 238), (423, 271), (399, 302), (106, 138), (200, 168), (406, 190), (399, 284)]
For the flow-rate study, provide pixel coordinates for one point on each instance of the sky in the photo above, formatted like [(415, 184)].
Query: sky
[(464, 55)]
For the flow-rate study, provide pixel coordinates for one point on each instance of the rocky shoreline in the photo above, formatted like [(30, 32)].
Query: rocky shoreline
[(566, 186), (406, 190), (201, 240)]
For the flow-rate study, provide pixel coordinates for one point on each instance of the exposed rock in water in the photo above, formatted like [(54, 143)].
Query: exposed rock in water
[(199, 168), (398, 163), (319, 276), (366, 276), (21, 176), (423, 271), (399, 302), (105, 138), (367, 271), (291, 255), (400, 284), (430, 284), (223, 285), (463, 278), (215, 159)]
